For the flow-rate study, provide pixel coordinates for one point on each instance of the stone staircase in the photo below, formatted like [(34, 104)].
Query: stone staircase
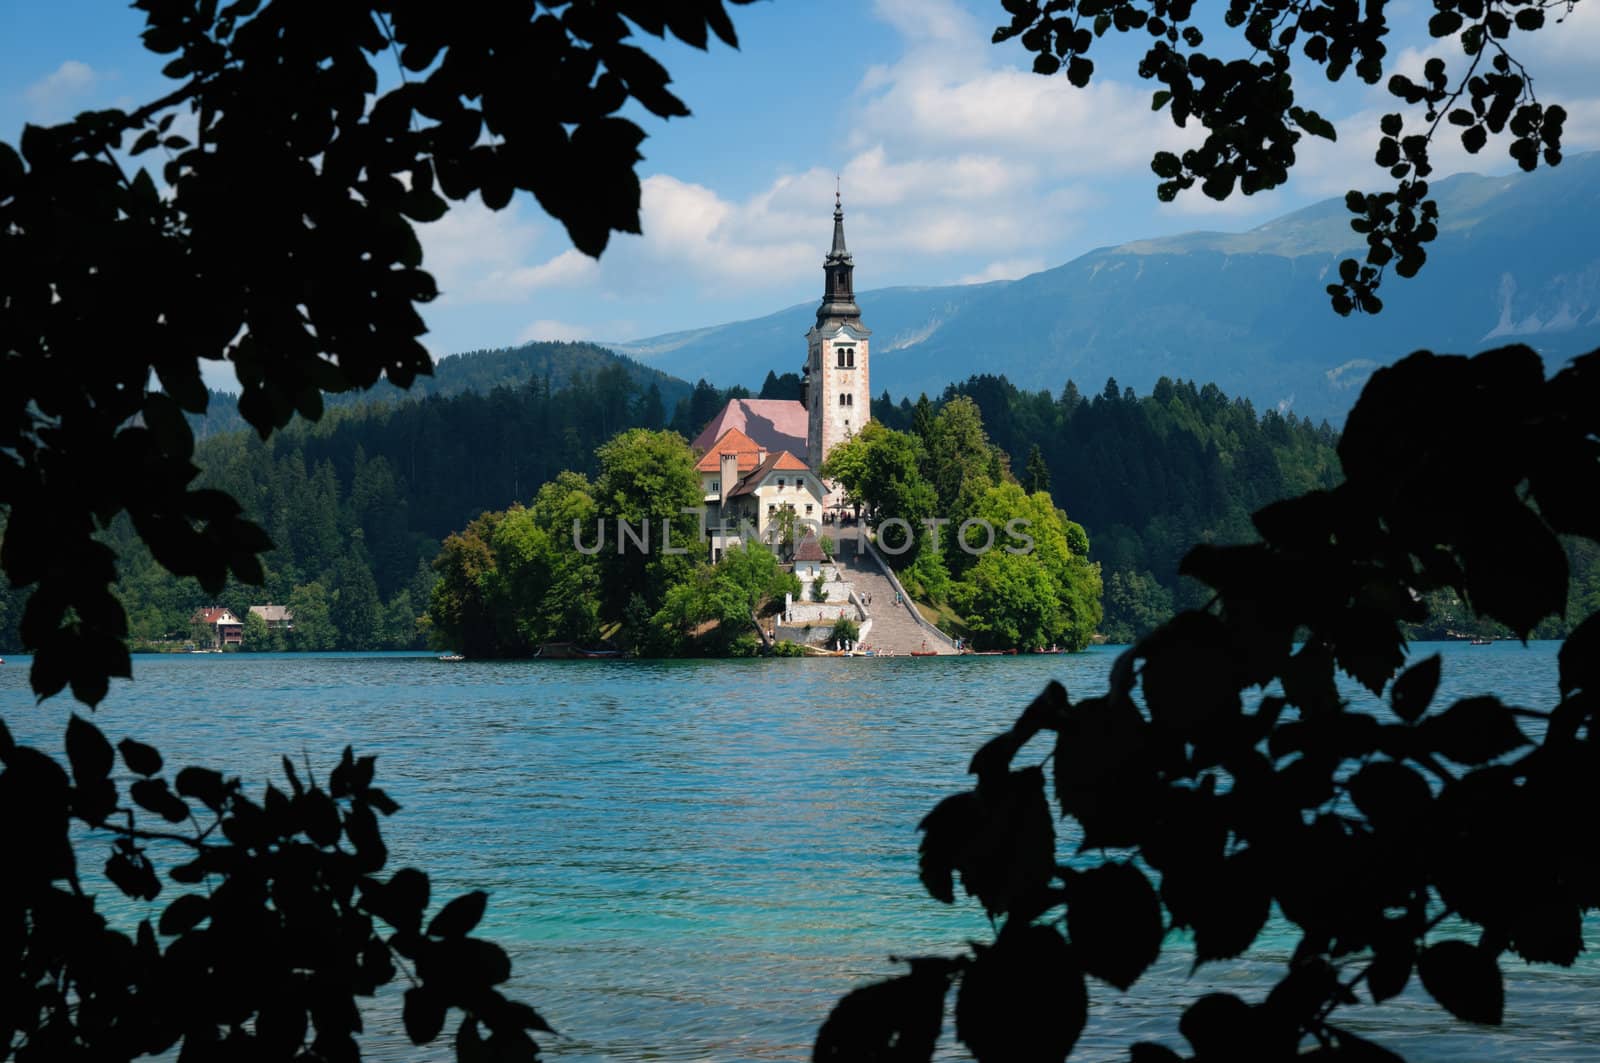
[(893, 627)]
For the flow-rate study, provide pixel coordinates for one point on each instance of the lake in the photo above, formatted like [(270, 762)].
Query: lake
[(693, 860)]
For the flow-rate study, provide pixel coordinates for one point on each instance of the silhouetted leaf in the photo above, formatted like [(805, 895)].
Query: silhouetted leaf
[(1465, 980), (999, 838), (1103, 774), (1023, 999), (1187, 677), (1516, 569), (1474, 731), (1548, 930), (318, 816), (1580, 657), (1390, 970), (457, 918), (1413, 688), (1228, 906), (401, 901), (893, 1021), (153, 795), (184, 914), (87, 751), (131, 873), (423, 1014), (204, 785), (1392, 796), (140, 758), (1115, 923), (1220, 1026)]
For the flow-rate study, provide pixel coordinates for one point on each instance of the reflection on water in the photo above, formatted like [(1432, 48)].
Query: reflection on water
[(694, 860)]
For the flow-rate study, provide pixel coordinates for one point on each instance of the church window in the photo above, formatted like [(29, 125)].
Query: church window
[(841, 357), (808, 509), (850, 357), (780, 483)]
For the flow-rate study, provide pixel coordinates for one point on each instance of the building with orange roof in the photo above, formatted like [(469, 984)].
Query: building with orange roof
[(836, 401), (221, 627), (750, 491)]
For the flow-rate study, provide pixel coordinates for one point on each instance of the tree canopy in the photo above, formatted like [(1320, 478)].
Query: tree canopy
[(278, 236)]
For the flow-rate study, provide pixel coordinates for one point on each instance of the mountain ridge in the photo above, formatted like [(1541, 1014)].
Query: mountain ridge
[(1517, 259)]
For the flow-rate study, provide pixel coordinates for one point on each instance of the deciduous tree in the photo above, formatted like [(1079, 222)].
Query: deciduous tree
[(277, 235), (1223, 776)]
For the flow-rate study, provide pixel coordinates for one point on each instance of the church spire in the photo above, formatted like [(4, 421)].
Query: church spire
[(838, 292), (839, 252)]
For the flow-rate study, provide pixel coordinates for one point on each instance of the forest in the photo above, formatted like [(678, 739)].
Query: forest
[(358, 503)]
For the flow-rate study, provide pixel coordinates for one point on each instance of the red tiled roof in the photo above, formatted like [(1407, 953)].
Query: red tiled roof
[(782, 461), (735, 442), (211, 615), (776, 424)]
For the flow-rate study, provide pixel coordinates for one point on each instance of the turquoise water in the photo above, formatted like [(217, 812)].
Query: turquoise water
[(694, 860)]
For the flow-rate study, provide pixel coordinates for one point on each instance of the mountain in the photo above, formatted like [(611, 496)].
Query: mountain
[(1517, 260), (481, 372)]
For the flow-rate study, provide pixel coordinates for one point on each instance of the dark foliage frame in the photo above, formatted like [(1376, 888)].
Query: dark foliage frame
[(1433, 840)]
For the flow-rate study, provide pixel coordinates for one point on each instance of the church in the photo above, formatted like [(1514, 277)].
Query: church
[(759, 457)]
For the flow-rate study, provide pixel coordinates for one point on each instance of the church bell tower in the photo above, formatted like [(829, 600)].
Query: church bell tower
[(836, 388)]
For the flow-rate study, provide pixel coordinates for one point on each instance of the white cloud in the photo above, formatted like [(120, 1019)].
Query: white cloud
[(471, 245), (930, 21), (54, 97), (569, 267), (1004, 270), (546, 329)]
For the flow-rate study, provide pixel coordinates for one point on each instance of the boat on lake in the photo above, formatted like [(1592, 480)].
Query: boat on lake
[(451, 658)]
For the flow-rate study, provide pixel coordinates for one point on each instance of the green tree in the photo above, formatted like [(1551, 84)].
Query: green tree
[(1009, 602), (752, 576), (646, 481), (846, 463), (314, 627), (1038, 476), (1135, 605), (957, 459), (357, 614), (892, 483), (257, 637)]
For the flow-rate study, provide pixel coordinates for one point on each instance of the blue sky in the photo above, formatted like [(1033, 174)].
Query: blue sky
[(957, 164)]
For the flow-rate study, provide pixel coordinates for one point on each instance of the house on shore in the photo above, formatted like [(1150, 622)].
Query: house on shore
[(225, 629), (277, 617)]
